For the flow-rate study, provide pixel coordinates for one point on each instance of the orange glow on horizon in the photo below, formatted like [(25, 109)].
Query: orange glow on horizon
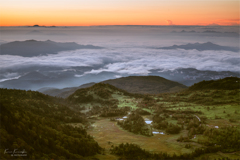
[(185, 13)]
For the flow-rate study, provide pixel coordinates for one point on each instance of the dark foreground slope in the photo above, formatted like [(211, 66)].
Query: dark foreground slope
[(146, 84), (36, 124), (229, 83)]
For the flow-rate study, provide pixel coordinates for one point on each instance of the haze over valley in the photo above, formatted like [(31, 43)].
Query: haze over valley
[(99, 53)]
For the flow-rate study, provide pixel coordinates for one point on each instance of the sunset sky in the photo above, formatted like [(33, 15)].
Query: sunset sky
[(118, 12)]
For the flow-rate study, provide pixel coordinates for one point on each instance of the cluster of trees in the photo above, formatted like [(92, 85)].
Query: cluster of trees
[(204, 97), (108, 111), (86, 95), (184, 118), (183, 139), (147, 102), (136, 124), (142, 112), (228, 138), (102, 90), (173, 128), (160, 123), (133, 151), (94, 110), (109, 89), (111, 112), (99, 93), (181, 111), (228, 83), (80, 96), (157, 118), (196, 130), (42, 137), (193, 123)]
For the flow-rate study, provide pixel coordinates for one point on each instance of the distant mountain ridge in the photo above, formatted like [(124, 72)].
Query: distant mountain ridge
[(31, 48), (202, 47)]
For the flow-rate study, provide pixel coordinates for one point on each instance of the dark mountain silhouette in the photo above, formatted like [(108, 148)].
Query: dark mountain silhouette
[(202, 47), (38, 26), (32, 48), (189, 76), (132, 84), (228, 83), (146, 84), (65, 92)]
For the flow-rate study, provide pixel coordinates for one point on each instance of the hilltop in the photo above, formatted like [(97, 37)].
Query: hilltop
[(228, 83), (132, 84), (99, 93), (146, 84)]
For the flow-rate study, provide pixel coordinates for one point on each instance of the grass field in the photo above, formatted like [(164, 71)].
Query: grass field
[(108, 133), (105, 131)]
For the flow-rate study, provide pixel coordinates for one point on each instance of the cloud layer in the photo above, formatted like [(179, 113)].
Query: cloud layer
[(131, 61), (127, 50)]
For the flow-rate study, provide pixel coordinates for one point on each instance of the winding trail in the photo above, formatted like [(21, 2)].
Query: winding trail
[(198, 118)]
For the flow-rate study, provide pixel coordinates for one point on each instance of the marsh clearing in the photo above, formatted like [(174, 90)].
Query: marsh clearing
[(108, 133)]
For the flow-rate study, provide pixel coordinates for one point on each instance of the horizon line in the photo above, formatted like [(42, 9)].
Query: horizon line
[(114, 25)]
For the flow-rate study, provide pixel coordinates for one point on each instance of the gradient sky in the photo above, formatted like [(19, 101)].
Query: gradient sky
[(118, 12)]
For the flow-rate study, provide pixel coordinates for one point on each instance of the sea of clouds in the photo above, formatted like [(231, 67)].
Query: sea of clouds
[(127, 50), (129, 60)]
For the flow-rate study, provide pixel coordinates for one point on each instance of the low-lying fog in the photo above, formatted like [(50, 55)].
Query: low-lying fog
[(128, 50)]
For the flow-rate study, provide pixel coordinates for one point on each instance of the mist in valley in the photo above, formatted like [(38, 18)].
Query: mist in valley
[(126, 51)]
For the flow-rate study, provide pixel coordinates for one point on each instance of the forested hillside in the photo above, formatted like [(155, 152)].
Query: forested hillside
[(229, 83), (35, 123)]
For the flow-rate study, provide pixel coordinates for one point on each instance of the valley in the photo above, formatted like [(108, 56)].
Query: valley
[(108, 133), (195, 123)]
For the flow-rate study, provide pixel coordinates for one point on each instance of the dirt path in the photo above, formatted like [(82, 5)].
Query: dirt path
[(198, 118)]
